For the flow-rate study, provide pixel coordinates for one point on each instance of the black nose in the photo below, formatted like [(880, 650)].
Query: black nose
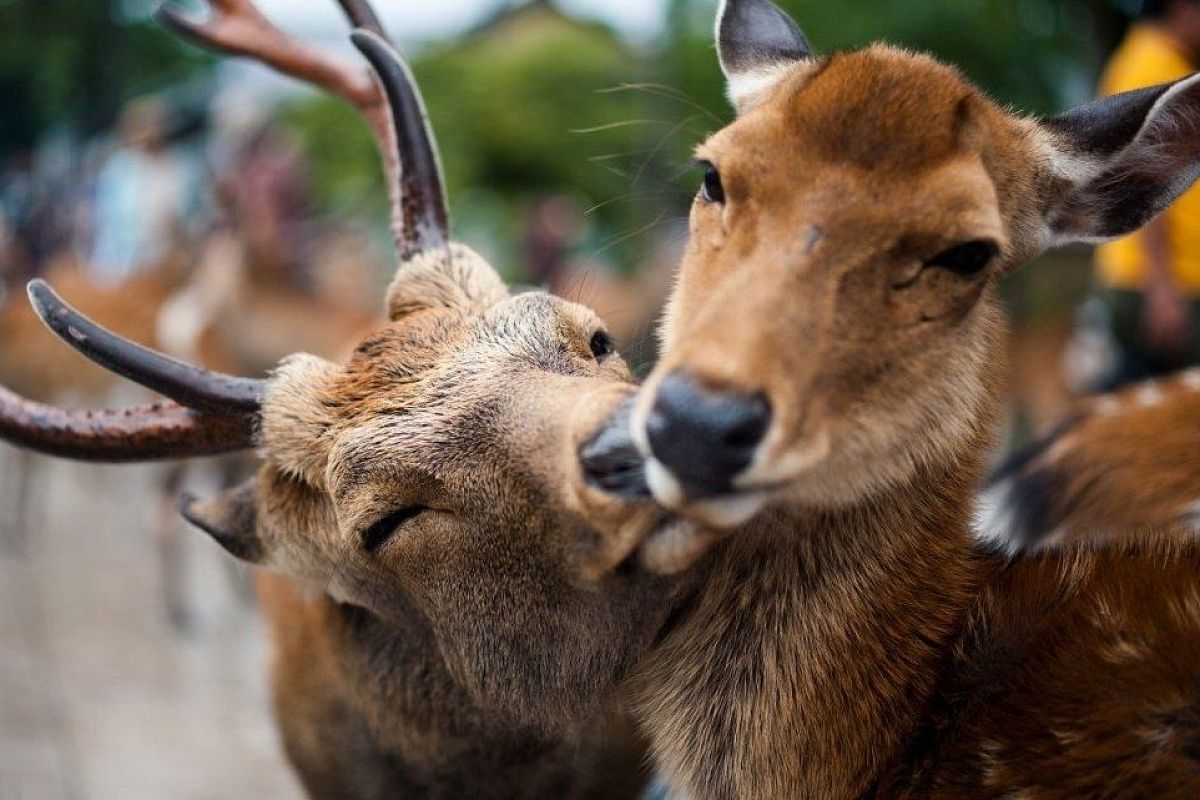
[(611, 461), (705, 436)]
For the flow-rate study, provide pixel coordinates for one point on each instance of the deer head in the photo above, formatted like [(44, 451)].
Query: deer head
[(432, 479), (835, 323)]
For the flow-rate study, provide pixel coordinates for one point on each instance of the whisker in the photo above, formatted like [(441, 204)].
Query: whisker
[(632, 234), (621, 124), (658, 147), (662, 90)]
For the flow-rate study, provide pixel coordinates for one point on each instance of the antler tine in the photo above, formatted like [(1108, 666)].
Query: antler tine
[(143, 433), (196, 388), (219, 412), (362, 15), (239, 28), (424, 223)]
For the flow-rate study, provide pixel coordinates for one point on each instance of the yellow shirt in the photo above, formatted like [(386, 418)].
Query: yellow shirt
[(1147, 57)]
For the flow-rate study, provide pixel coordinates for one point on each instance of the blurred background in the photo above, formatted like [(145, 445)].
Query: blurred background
[(214, 210)]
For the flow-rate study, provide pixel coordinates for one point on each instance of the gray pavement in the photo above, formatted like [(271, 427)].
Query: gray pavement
[(99, 696)]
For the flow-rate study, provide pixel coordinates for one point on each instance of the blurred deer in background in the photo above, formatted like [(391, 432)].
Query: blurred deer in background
[(829, 383), (38, 369), (218, 307), (1123, 468), (419, 509)]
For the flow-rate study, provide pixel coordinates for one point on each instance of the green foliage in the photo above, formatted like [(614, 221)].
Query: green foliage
[(509, 103), (77, 61), (523, 107)]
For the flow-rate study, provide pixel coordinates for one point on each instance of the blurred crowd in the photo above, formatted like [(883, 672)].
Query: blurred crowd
[(150, 191), (224, 204), (1147, 295)]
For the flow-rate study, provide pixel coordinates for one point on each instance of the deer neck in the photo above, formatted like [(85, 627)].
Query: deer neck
[(807, 658), (348, 682)]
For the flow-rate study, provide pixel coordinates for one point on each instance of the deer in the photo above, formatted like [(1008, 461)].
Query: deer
[(1121, 468), (33, 366), (447, 619), (823, 408)]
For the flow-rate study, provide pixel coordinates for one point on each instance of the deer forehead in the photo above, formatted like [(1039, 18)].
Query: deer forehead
[(476, 378), (881, 110)]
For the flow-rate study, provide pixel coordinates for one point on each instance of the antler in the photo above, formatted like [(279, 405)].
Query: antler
[(191, 386), (217, 413), (419, 217), (143, 433)]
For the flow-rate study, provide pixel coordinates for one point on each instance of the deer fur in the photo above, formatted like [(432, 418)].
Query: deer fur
[(464, 656), (849, 637), (448, 621), (1124, 467)]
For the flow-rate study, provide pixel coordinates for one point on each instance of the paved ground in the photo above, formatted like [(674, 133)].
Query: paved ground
[(99, 697)]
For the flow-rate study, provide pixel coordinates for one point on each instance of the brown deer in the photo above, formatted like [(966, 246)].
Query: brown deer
[(421, 504), (1125, 467), (829, 382)]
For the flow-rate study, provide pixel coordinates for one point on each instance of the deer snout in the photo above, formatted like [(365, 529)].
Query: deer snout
[(611, 460), (704, 435)]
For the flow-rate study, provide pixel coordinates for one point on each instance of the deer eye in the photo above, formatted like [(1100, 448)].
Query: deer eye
[(966, 259), (386, 527), (602, 345), (712, 190)]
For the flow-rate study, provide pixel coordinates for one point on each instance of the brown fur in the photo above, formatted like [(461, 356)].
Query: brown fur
[(851, 640), (1124, 466), (464, 657)]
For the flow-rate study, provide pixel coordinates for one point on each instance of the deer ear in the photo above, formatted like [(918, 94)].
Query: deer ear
[(758, 43), (1126, 158), (231, 519), (297, 425), (453, 277)]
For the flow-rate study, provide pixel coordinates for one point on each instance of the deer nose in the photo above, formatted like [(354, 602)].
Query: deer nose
[(705, 436)]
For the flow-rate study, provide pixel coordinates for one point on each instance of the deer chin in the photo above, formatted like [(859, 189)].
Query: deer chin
[(722, 513)]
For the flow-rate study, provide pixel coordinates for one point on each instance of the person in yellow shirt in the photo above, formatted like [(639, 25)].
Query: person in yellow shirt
[(1152, 278)]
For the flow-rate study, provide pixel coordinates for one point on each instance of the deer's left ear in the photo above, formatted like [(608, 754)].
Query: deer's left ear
[(1125, 158), (231, 519), (758, 43)]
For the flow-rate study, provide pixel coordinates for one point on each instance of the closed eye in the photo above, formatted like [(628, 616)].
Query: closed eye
[(378, 534)]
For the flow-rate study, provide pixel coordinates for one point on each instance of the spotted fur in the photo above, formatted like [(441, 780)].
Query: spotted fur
[(1126, 468)]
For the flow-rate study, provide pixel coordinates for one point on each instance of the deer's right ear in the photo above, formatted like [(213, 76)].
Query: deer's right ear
[(1125, 158), (231, 519), (453, 277), (758, 43)]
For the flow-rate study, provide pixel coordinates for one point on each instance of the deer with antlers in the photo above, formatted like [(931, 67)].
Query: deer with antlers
[(434, 633), (829, 382)]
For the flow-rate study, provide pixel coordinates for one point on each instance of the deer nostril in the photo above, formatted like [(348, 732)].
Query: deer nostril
[(749, 432), (611, 461), (706, 437)]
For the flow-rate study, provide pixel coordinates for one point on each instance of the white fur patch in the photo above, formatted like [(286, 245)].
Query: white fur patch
[(1108, 406), (1149, 395), (665, 488), (747, 89), (726, 513), (993, 519)]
